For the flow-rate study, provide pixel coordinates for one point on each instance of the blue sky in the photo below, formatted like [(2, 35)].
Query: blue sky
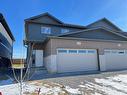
[(80, 12)]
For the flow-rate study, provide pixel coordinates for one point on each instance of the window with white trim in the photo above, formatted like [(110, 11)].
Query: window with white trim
[(45, 30), (64, 30)]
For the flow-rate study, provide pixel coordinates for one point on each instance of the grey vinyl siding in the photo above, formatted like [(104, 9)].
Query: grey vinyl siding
[(34, 31), (103, 24), (46, 19), (97, 34)]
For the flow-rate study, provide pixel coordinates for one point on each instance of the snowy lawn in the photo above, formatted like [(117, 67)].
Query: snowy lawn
[(39, 88), (114, 85)]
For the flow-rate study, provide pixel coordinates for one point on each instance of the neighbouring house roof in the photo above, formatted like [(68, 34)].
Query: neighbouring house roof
[(105, 20), (60, 23), (4, 23)]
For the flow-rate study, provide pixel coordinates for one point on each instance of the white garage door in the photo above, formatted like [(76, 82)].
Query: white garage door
[(72, 60), (116, 59)]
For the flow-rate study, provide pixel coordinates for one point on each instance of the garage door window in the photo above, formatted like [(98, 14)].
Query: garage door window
[(91, 51), (72, 51), (62, 51), (121, 52), (114, 51), (81, 51), (107, 51)]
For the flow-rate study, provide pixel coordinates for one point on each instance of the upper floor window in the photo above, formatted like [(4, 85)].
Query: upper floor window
[(46, 30), (64, 30)]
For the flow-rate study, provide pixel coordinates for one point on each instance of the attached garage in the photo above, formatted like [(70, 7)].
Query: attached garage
[(72, 60), (116, 59)]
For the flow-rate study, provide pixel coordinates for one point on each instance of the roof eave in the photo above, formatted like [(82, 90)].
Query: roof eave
[(106, 21), (82, 39)]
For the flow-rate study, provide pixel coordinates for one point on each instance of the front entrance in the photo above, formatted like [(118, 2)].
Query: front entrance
[(38, 58)]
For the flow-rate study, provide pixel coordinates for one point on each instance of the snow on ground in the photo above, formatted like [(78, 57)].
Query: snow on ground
[(72, 91), (32, 88), (10, 89), (115, 85)]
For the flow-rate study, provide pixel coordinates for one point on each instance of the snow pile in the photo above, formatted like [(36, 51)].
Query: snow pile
[(110, 83), (119, 78), (35, 87), (72, 91), (118, 83), (12, 89)]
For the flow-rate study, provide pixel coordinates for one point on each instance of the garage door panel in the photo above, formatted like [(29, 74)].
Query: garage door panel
[(71, 62), (116, 59)]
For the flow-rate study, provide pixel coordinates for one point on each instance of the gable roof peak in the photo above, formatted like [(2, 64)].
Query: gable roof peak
[(44, 14), (106, 20)]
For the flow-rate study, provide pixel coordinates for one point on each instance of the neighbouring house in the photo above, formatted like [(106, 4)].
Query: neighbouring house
[(6, 43), (62, 47)]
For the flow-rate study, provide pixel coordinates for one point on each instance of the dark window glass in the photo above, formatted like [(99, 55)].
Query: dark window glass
[(121, 52), (72, 51), (62, 51), (91, 51), (81, 51)]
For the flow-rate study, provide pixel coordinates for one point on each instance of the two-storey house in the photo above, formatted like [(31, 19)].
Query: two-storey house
[(62, 47)]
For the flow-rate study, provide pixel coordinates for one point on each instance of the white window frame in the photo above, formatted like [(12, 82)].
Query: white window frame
[(45, 31), (64, 30)]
